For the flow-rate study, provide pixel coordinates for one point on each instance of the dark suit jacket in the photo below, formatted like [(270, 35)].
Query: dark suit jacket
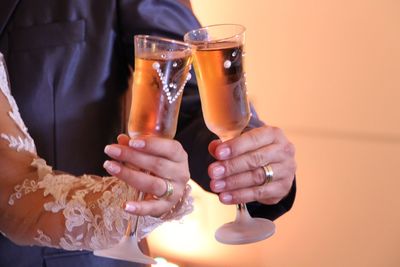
[(68, 64)]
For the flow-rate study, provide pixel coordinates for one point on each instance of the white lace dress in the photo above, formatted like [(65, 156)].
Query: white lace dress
[(40, 206)]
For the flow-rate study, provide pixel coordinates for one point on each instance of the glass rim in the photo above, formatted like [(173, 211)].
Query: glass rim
[(163, 39), (240, 32)]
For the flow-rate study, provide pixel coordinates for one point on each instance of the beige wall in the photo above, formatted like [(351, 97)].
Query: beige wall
[(328, 72)]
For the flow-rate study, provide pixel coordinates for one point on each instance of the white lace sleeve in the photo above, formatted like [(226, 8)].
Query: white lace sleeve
[(39, 206)]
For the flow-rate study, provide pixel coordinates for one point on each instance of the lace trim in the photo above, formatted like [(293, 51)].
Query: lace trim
[(19, 143), (43, 239), (26, 187), (84, 228)]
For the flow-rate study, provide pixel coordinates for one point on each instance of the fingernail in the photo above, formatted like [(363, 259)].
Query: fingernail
[(137, 143), (112, 151), (120, 137), (218, 171), (219, 185), (111, 167), (129, 207), (224, 152), (227, 198)]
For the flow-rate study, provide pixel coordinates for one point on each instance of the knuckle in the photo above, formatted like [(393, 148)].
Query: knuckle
[(277, 131), (264, 130), (256, 159), (255, 137), (258, 176), (290, 149), (182, 175), (231, 183), (158, 165), (177, 146), (229, 166), (185, 156)]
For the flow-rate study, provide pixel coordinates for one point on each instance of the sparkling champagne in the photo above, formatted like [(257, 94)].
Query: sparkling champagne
[(218, 62), (157, 93), (221, 80)]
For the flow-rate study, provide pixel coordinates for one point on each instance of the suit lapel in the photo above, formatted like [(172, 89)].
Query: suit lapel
[(7, 8)]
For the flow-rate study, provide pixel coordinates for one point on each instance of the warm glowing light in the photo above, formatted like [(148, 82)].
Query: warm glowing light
[(162, 262), (193, 236)]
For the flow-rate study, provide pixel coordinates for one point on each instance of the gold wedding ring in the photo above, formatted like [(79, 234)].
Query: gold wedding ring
[(169, 191), (269, 173)]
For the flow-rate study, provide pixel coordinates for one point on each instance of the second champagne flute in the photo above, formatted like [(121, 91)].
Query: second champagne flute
[(218, 63), (161, 71)]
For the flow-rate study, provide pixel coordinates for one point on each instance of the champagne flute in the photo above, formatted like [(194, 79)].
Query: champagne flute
[(161, 72), (218, 63)]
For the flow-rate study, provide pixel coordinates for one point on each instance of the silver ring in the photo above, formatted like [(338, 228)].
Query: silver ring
[(170, 189), (269, 174)]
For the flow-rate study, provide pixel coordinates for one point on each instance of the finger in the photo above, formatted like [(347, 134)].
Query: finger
[(242, 180), (142, 181), (212, 146), (249, 179), (151, 207), (162, 147), (250, 141), (123, 139), (269, 194), (161, 167), (246, 162)]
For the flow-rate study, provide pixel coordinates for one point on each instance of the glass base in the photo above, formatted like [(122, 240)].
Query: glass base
[(127, 249), (245, 231)]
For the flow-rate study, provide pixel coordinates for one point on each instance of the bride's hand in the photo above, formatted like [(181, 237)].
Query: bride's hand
[(156, 166)]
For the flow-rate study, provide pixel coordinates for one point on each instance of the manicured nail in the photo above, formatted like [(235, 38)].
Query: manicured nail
[(111, 167), (112, 151), (218, 171), (224, 152), (226, 198), (137, 143), (120, 137), (219, 185), (129, 207)]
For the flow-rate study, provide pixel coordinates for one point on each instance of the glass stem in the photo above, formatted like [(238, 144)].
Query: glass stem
[(131, 230), (242, 214)]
